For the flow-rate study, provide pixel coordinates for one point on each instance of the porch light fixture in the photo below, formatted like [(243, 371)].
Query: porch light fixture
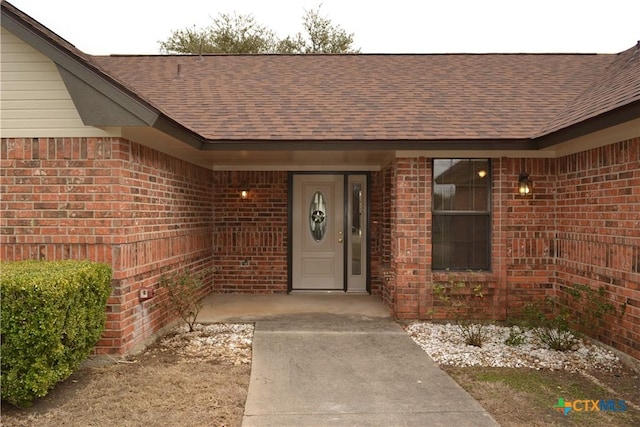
[(244, 190), (525, 186)]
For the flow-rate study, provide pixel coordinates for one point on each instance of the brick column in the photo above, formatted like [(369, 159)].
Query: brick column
[(410, 223)]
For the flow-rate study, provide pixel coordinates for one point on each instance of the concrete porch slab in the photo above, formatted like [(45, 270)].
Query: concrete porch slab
[(253, 307)]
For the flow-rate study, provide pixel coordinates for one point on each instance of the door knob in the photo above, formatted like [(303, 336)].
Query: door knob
[(340, 238)]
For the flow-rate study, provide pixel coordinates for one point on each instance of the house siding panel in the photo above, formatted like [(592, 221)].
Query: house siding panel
[(35, 101)]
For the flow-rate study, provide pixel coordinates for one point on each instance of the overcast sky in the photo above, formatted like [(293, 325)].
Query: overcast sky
[(103, 27)]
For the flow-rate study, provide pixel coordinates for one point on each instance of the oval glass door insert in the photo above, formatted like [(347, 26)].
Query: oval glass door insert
[(318, 216)]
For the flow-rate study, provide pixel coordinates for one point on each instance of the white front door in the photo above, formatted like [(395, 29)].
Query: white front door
[(326, 228)]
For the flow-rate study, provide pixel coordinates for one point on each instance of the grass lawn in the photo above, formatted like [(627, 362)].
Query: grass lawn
[(526, 397)]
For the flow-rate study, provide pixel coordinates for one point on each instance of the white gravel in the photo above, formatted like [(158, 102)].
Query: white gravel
[(230, 343), (446, 347), (227, 343)]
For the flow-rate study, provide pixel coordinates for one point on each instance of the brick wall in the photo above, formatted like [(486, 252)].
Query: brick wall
[(410, 230), (251, 240), (107, 200), (111, 200), (598, 233), (580, 226), (529, 225), (406, 260), (165, 225), (57, 198), (380, 231), (382, 184)]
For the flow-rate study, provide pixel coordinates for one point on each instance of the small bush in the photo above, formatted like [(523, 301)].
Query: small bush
[(460, 298), (593, 306), (182, 294), (556, 339), (474, 334), (53, 314), (555, 330), (516, 336)]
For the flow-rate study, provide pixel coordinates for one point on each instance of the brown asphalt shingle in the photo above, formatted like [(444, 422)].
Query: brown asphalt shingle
[(617, 85), (360, 97), (369, 97)]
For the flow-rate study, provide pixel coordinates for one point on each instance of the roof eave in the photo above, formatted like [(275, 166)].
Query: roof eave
[(608, 119), (74, 69), (366, 145)]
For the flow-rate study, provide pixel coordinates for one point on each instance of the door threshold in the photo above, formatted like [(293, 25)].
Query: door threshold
[(328, 291), (317, 291)]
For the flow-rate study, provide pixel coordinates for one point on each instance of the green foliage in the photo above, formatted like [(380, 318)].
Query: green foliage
[(593, 304), (516, 336), (459, 297), (556, 339), (243, 34), (53, 314), (227, 34), (553, 330), (473, 333), (559, 326), (182, 294), (321, 36)]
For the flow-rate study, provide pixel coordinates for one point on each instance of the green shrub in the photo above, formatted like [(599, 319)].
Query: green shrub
[(592, 305), (556, 339), (516, 336), (473, 333), (53, 313), (553, 330), (460, 298)]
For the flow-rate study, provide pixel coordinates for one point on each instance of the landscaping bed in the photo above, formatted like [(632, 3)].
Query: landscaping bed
[(202, 378), (185, 379), (519, 384)]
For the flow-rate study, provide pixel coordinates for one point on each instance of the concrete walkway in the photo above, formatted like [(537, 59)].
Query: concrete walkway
[(340, 360)]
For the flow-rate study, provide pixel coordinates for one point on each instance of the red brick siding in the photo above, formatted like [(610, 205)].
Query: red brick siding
[(598, 232), (107, 200), (382, 192), (146, 213), (57, 198), (529, 225), (410, 233), (250, 241), (581, 225), (406, 274), (166, 225), (379, 231)]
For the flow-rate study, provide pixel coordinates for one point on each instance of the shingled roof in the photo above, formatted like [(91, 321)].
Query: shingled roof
[(360, 97), (616, 86)]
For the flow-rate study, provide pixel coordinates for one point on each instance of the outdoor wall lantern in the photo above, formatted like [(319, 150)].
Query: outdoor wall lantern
[(244, 190), (525, 186)]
